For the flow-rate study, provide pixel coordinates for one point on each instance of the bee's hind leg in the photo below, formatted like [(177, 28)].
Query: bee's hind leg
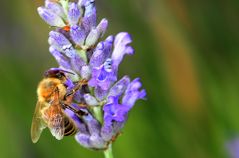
[(77, 112)]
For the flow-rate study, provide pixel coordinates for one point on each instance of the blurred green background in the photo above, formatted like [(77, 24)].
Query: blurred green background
[(187, 55)]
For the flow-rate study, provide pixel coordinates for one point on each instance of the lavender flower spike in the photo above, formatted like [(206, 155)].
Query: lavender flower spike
[(99, 103)]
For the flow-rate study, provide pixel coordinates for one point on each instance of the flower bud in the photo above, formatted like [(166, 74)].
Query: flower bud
[(61, 43), (50, 17), (78, 34), (90, 100), (55, 8), (92, 38), (73, 14), (102, 26)]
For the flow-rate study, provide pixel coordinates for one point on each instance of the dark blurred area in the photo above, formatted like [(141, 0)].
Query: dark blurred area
[(187, 56)]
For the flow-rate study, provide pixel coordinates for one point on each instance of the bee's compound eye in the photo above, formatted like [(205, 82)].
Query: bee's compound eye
[(59, 75)]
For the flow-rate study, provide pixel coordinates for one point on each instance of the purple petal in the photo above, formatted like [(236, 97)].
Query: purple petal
[(55, 8), (91, 141), (60, 58), (49, 17), (77, 62), (69, 84), (108, 65), (117, 126), (96, 33), (90, 100), (133, 93), (89, 19), (95, 73), (115, 116), (61, 43), (233, 147), (102, 76), (73, 14), (121, 48), (85, 72), (69, 51), (119, 88), (58, 39), (107, 131), (92, 124), (83, 139), (78, 97), (78, 34), (90, 8), (83, 3), (111, 129), (102, 52), (100, 94), (97, 57), (102, 27), (114, 111), (97, 142)]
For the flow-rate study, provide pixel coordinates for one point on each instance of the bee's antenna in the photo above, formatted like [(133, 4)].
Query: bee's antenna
[(53, 71), (68, 72)]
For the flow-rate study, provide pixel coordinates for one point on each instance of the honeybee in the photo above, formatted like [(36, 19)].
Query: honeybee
[(52, 100)]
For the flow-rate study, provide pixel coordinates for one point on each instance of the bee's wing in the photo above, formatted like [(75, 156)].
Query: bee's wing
[(37, 123), (56, 123), (57, 127)]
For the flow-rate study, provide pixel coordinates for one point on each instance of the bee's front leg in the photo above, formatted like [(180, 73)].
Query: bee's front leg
[(76, 87)]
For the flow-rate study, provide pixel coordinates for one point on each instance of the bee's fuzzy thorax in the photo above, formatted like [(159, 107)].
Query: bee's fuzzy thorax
[(47, 87)]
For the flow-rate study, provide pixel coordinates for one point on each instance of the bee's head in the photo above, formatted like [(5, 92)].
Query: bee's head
[(56, 73)]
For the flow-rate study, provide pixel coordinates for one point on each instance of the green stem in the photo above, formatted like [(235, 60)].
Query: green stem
[(108, 152), (64, 4), (98, 114), (83, 55)]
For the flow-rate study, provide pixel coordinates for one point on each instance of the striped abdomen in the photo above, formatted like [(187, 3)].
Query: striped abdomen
[(70, 128)]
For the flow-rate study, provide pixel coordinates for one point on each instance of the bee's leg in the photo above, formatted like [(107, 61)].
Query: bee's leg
[(77, 87), (77, 112), (65, 106)]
